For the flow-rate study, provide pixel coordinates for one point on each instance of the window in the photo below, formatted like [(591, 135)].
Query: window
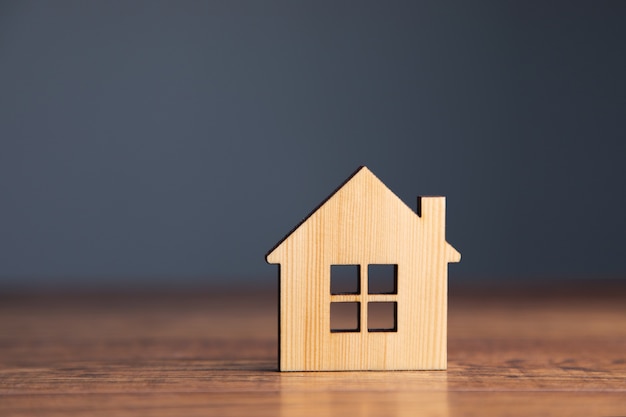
[(345, 317), (382, 279), (364, 297), (344, 279), (382, 316)]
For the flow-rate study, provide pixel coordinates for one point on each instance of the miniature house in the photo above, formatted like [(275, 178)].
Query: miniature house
[(364, 228)]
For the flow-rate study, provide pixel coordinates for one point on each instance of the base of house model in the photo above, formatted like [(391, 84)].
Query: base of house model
[(363, 253)]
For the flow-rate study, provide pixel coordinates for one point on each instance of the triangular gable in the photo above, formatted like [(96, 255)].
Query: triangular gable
[(358, 174)]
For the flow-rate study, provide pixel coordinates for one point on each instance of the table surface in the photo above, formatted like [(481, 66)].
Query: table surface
[(557, 350)]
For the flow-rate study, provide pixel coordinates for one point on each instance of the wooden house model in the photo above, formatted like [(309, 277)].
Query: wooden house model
[(363, 229)]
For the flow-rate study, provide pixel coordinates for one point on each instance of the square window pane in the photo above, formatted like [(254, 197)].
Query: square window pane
[(345, 317), (345, 279), (382, 279), (382, 317)]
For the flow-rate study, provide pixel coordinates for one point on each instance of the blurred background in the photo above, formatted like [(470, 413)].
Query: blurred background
[(171, 144)]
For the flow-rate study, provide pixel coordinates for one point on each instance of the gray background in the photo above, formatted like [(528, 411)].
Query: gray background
[(174, 143)]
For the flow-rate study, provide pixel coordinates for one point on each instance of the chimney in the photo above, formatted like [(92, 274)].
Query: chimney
[(432, 207)]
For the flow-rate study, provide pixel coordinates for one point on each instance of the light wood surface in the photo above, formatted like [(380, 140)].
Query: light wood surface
[(363, 223), (516, 353)]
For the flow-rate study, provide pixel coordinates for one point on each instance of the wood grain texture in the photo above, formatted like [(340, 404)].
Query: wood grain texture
[(214, 354), (363, 223)]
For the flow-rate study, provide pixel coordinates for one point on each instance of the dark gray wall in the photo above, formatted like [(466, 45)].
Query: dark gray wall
[(174, 143)]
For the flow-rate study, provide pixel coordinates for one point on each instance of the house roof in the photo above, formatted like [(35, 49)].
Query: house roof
[(358, 174), (361, 168)]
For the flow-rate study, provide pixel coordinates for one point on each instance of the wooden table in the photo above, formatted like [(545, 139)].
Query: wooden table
[(537, 351)]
